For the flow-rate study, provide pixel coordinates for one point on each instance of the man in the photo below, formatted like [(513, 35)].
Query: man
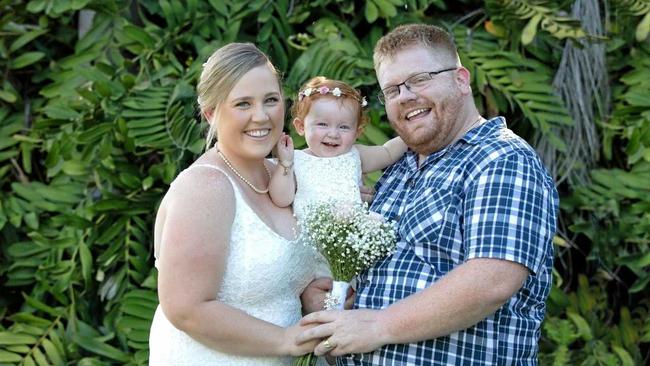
[(475, 212)]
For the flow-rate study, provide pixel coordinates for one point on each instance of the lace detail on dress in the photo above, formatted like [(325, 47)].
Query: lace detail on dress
[(326, 179), (264, 276)]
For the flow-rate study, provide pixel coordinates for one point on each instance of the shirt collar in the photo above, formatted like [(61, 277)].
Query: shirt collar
[(484, 131), (474, 136)]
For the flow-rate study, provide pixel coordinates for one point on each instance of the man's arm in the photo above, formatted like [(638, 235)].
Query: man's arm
[(462, 298)]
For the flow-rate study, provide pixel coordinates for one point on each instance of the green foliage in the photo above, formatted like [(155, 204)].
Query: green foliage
[(581, 329), (506, 78), (536, 14), (94, 127), (636, 8)]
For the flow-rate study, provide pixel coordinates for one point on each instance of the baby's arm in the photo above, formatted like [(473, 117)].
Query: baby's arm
[(378, 157), (282, 187)]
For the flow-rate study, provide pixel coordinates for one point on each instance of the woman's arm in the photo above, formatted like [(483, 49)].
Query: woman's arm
[(282, 187), (379, 157), (193, 251)]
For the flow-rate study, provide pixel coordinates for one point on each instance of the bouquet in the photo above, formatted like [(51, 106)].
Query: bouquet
[(351, 239)]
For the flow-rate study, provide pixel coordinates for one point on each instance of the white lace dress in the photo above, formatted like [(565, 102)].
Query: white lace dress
[(265, 275), (334, 179)]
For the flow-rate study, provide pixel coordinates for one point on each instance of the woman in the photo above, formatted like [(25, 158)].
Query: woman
[(230, 271)]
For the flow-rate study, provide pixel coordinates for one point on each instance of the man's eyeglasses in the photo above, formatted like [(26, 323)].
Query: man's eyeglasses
[(414, 83)]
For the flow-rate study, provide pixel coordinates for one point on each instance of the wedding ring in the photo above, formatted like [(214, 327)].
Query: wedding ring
[(327, 344)]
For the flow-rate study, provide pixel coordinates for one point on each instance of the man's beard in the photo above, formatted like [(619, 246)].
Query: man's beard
[(438, 132)]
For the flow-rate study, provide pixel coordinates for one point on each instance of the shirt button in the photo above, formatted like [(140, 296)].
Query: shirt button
[(410, 182)]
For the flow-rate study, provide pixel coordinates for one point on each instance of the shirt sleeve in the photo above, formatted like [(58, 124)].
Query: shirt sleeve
[(510, 212)]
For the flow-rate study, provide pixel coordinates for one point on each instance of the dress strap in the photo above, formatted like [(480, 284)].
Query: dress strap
[(207, 166), (210, 166)]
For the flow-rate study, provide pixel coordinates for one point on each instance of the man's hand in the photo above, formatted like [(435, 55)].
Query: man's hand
[(345, 331), (313, 297), (367, 193)]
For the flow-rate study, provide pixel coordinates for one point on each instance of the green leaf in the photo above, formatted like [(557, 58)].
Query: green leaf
[(70, 194), (371, 13), (386, 8), (638, 98), (26, 38), (26, 59), (643, 28), (72, 167), (374, 135), (98, 347), (86, 262), (61, 112), (265, 32), (52, 353), (7, 338), (528, 34), (139, 35), (623, 355), (9, 357), (220, 6), (583, 327), (8, 96), (168, 12), (147, 183), (39, 305)]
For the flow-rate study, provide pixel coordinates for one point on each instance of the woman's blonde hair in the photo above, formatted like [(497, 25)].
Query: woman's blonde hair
[(321, 87), (223, 69)]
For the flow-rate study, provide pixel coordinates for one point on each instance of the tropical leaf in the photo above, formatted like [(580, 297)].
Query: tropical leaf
[(524, 83), (537, 14)]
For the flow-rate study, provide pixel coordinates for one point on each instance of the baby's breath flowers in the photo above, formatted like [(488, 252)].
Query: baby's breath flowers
[(351, 239)]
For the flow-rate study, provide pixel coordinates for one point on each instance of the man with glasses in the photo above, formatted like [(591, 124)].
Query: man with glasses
[(475, 211)]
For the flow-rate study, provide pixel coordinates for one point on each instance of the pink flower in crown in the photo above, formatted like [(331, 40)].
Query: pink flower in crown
[(323, 90)]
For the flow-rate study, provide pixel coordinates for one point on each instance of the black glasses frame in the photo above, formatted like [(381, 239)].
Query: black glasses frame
[(382, 96)]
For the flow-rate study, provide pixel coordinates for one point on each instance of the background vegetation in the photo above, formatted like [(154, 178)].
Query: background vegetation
[(97, 118)]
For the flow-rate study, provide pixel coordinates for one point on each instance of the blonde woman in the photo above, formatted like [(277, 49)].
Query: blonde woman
[(230, 271)]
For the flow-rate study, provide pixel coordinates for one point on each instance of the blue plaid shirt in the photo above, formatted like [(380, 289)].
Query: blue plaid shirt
[(485, 196)]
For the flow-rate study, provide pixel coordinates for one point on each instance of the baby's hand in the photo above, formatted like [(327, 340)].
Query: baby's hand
[(284, 149)]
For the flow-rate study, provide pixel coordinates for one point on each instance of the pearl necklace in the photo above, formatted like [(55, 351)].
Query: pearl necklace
[(260, 191)]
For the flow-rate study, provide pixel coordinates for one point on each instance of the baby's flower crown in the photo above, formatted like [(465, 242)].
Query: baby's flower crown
[(322, 90)]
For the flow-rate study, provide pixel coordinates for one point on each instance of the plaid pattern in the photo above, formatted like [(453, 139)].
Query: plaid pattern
[(486, 196)]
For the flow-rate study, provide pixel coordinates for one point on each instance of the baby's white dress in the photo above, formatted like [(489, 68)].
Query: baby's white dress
[(265, 275), (334, 179)]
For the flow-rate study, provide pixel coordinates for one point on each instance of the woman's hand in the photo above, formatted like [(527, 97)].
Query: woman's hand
[(291, 345)]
